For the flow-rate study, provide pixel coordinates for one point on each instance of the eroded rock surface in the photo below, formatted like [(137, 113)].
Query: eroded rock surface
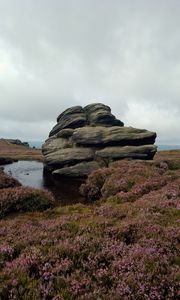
[(82, 169), (117, 136), (85, 139), (69, 156)]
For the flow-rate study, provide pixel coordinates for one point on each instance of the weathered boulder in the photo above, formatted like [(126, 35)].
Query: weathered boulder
[(93, 114), (85, 139), (68, 156), (100, 114), (70, 111), (54, 144), (139, 152), (102, 136), (69, 121)]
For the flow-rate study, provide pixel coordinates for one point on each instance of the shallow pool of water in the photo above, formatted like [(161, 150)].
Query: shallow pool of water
[(30, 173)]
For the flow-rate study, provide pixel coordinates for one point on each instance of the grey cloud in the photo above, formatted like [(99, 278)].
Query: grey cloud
[(54, 54)]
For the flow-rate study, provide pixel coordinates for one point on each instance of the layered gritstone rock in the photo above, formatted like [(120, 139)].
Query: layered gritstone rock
[(116, 136), (85, 139)]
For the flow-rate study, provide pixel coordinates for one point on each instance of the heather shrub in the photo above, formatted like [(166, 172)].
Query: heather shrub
[(125, 180), (109, 250), (97, 255), (6, 181), (173, 164), (92, 188), (21, 199)]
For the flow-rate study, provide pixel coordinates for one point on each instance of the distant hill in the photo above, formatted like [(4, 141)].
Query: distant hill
[(18, 151), (17, 142), (168, 147)]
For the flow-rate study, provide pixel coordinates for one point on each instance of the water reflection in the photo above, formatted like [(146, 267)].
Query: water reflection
[(30, 173)]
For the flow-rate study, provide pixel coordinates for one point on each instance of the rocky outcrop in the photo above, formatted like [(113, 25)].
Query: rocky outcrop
[(17, 142), (85, 139), (93, 114)]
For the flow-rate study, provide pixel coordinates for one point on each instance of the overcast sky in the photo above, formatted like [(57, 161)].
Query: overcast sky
[(59, 53)]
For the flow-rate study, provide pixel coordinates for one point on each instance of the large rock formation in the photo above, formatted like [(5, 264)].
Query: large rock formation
[(85, 139)]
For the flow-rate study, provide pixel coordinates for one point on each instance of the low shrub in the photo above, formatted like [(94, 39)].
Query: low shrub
[(6, 181), (91, 189), (21, 199), (112, 252), (105, 251), (173, 164), (125, 180)]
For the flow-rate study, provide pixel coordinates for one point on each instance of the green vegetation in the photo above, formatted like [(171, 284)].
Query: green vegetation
[(125, 245)]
